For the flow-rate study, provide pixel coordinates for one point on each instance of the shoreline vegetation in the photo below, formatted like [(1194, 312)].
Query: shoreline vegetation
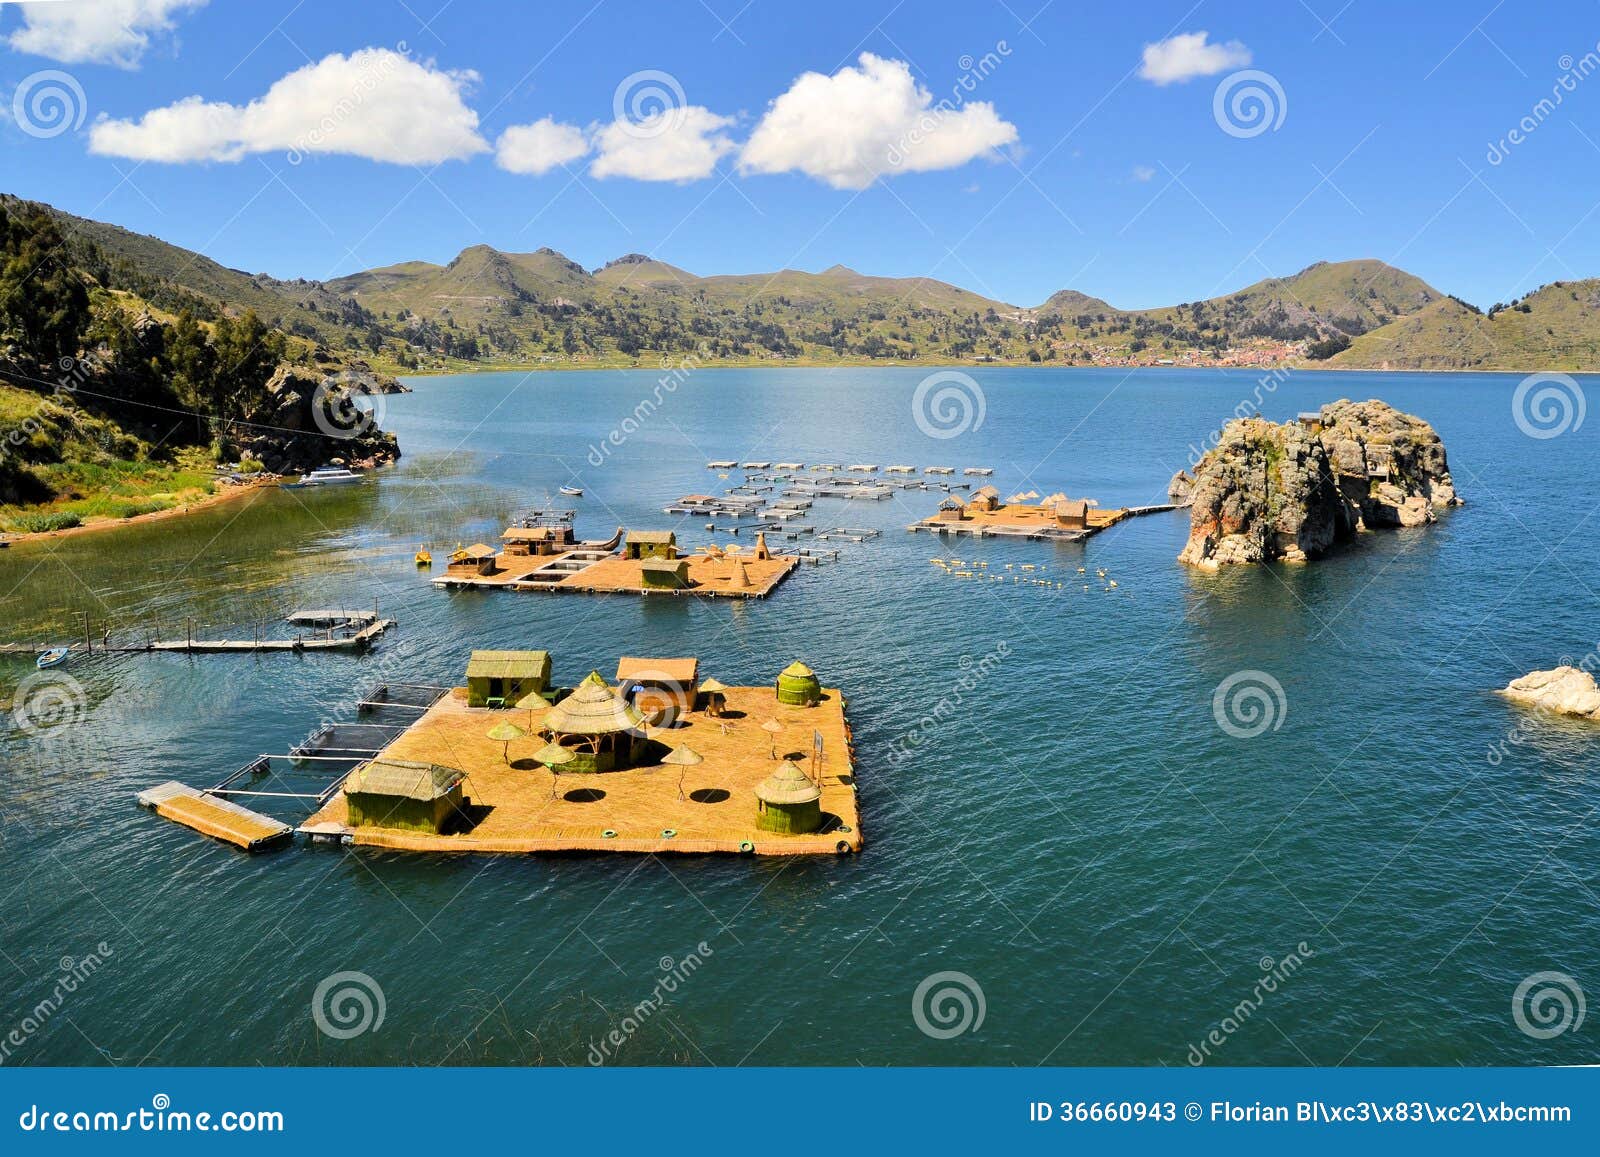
[(174, 506)]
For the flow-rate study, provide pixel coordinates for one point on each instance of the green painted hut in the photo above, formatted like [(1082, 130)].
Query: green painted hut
[(797, 686), (396, 793), (603, 732), (664, 573), (651, 544), (788, 802), (499, 678)]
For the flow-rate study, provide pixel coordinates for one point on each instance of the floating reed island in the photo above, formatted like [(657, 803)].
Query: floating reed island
[(1055, 517), (657, 759), (548, 557)]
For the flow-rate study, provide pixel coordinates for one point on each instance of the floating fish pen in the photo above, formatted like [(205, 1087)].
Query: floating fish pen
[(899, 469), (299, 779), (722, 464), (864, 468), (788, 465), (757, 465), (938, 469), (979, 471), (848, 534)]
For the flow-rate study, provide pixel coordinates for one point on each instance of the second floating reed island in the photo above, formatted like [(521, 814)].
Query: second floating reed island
[(1268, 491)]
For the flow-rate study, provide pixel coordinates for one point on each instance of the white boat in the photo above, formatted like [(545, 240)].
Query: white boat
[(572, 491), (328, 476)]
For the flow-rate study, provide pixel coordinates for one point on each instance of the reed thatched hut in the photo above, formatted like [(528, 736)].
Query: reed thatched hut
[(788, 802), (477, 559), (502, 678), (396, 793), (538, 540), (651, 544), (798, 686), (668, 574), (602, 731)]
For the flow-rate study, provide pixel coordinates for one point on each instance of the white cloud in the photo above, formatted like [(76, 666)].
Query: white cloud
[(95, 31), (1143, 173), (1188, 55), (676, 144), (374, 103), (537, 148), (865, 122)]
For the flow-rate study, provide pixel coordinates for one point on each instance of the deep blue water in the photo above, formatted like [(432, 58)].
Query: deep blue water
[(1073, 831)]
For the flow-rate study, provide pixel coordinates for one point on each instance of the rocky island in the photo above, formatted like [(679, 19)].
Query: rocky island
[(1291, 491), (1565, 690)]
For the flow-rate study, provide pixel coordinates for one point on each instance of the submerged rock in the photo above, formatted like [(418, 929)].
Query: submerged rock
[(1562, 691), (1291, 491)]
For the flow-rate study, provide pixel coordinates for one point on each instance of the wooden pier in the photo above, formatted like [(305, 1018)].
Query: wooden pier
[(340, 631)]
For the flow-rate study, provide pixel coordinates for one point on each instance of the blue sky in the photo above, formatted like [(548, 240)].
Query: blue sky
[(1071, 162)]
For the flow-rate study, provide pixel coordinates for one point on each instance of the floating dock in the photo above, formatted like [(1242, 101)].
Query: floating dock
[(339, 631), (520, 807), (213, 816)]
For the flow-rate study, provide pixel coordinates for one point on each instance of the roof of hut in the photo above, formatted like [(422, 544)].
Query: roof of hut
[(652, 536), (986, 492), (507, 664), (789, 784), (592, 709), (404, 779), (665, 565), (798, 670), (477, 550), (680, 671), (529, 533)]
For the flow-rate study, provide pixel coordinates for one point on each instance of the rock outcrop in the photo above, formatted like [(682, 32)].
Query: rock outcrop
[(308, 419), (1181, 489), (1292, 491), (1562, 691)]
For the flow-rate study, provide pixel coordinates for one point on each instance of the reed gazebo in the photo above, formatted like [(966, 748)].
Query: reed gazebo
[(603, 732)]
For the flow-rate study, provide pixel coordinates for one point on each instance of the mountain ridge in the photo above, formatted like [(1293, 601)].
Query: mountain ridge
[(492, 308)]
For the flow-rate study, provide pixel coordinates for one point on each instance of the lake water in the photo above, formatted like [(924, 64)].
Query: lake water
[(1072, 830)]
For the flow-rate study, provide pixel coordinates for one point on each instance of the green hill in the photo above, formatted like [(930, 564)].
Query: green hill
[(490, 309)]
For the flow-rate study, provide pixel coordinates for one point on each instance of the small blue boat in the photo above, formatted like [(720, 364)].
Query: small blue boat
[(54, 657)]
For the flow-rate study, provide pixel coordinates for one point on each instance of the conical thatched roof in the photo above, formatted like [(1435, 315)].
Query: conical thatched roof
[(592, 709), (788, 785), (714, 686), (798, 670), (683, 757)]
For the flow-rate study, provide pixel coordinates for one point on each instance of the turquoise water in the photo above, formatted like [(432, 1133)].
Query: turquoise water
[(1072, 829)]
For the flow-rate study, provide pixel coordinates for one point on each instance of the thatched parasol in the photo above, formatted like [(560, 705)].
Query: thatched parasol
[(505, 733), (773, 727), (553, 755), (683, 758)]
